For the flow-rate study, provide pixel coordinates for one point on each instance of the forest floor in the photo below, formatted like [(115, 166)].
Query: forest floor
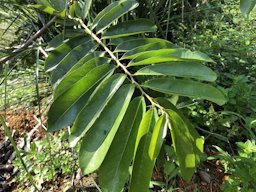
[(25, 123)]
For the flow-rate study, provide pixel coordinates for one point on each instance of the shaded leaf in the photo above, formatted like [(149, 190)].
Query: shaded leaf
[(97, 102), (246, 6), (75, 75), (114, 170), (128, 28), (65, 108), (180, 69), (112, 12), (164, 55), (187, 88), (98, 139), (61, 51), (86, 8), (70, 60)]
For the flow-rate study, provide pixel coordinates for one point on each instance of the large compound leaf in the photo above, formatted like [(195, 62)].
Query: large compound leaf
[(124, 45), (187, 88), (97, 102), (164, 55), (70, 60), (61, 51), (113, 12), (114, 170), (180, 69), (66, 107), (246, 6), (130, 28), (98, 139), (143, 164)]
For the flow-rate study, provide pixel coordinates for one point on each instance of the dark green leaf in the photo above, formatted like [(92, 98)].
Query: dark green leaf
[(128, 28), (164, 55), (49, 10), (61, 51), (65, 108), (127, 45), (187, 88), (70, 60), (97, 102), (246, 6), (114, 170), (98, 139), (180, 69), (86, 8), (113, 12)]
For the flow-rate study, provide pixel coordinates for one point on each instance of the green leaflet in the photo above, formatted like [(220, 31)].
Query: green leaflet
[(247, 6), (86, 8), (65, 108), (187, 142), (189, 88), (180, 69), (114, 170), (111, 13), (128, 28), (98, 139), (144, 48), (127, 45), (97, 102), (61, 51), (70, 60), (50, 10), (143, 164), (78, 73), (164, 55)]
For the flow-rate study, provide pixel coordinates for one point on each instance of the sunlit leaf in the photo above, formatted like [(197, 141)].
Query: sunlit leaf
[(164, 55), (180, 69)]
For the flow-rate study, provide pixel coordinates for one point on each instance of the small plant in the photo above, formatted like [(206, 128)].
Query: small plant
[(44, 163), (242, 167)]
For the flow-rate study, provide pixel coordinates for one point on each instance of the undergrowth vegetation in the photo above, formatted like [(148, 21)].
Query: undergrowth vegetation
[(138, 88)]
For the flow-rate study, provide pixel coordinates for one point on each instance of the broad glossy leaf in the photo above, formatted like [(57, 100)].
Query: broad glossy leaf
[(97, 102), (98, 139), (157, 138), (246, 6), (143, 165), (128, 28), (188, 144), (43, 2), (187, 88), (70, 60), (180, 69), (75, 75), (127, 45), (148, 47), (65, 108), (59, 5), (113, 12), (56, 41), (114, 170), (117, 41), (61, 51), (164, 55)]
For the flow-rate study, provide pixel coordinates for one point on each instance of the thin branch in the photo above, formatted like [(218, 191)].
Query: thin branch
[(30, 41)]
